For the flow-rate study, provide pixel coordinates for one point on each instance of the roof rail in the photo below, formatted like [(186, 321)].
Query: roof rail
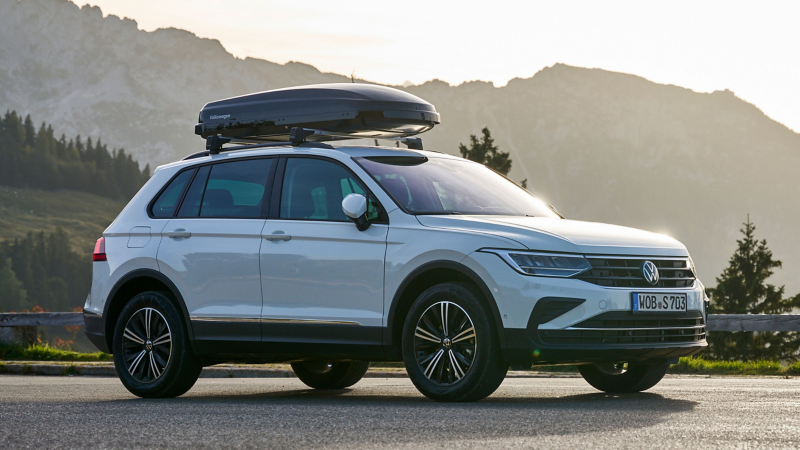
[(297, 138)]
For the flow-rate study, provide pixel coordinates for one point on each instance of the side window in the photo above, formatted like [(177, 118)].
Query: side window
[(313, 189), (165, 205), (191, 201), (236, 189)]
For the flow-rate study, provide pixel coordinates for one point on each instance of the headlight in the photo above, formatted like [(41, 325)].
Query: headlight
[(544, 264)]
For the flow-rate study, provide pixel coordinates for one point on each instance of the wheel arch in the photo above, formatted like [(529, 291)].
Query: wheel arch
[(133, 283), (421, 278)]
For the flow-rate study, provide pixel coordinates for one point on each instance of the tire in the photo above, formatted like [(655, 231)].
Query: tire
[(618, 379), (158, 365), (330, 375), (470, 365)]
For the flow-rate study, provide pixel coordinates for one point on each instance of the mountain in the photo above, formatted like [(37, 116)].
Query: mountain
[(598, 145)]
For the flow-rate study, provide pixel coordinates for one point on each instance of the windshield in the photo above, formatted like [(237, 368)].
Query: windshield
[(450, 186)]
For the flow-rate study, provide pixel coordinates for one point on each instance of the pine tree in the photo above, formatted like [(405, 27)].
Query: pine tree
[(485, 152), (742, 288), (12, 294)]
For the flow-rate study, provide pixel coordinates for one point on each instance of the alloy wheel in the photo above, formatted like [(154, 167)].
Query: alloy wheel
[(445, 343), (146, 345)]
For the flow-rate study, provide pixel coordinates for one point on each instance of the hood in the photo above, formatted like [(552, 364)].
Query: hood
[(559, 235)]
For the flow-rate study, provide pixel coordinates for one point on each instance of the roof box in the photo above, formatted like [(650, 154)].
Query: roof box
[(339, 111)]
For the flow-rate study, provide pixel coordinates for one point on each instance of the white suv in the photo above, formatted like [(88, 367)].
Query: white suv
[(330, 258)]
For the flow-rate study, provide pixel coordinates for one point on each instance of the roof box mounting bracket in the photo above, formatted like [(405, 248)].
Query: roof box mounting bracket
[(214, 143), (413, 143)]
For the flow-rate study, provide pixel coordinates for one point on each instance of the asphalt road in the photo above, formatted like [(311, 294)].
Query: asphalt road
[(681, 412)]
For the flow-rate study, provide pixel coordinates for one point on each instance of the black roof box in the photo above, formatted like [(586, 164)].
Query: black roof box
[(342, 111)]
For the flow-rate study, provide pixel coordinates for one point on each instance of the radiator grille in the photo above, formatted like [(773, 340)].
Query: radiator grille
[(627, 272), (627, 328)]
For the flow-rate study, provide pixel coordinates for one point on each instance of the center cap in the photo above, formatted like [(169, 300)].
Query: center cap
[(148, 345), (446, 342)]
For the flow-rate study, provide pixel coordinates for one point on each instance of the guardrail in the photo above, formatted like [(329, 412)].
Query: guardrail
[(26, 322)]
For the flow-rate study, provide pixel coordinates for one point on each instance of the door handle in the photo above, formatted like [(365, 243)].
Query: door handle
[(179, 233), (277, 236)]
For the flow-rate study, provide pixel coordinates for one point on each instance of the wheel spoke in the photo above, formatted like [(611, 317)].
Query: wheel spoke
[(469, 333), (132, 336), (429, 370), (454, 363), (445, 307), (422, 334), (136, 361), (164, 339), (153, 368)]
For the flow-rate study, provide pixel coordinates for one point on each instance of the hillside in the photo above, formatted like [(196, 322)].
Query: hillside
[(599, 145), (83, 216)]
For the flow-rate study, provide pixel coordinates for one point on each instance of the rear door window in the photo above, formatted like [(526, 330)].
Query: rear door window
[(235, 189)]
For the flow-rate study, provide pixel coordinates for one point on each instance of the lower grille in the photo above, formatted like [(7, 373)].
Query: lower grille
[(622, 327), (627, 272)]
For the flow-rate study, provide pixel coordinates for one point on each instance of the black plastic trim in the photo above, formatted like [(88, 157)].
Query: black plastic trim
[(145, 273), (452, 265)]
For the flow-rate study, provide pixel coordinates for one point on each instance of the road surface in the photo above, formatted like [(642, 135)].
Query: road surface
[(681, 412)]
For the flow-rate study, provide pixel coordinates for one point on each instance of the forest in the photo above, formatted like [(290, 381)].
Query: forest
[(42, 271), (32, 158)]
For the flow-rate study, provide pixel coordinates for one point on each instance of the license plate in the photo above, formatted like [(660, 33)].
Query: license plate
[(646, 302)]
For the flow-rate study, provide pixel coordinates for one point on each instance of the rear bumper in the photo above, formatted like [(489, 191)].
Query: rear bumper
[(94, 327)]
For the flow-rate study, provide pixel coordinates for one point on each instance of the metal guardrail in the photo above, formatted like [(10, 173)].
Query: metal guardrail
[(716, 322), (41, 319)]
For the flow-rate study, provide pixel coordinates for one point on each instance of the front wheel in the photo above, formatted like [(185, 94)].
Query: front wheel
[(450, 346), (623, 377), (151, 348), (330, 375)]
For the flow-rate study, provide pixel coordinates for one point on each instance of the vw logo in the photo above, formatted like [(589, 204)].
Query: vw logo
[(650, 272)]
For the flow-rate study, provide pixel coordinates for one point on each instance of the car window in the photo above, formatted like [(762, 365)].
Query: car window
[(190, 207), (233, 189), (313, 189), (451, 186), (164, 206)]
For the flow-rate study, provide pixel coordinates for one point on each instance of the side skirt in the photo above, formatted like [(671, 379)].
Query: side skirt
[(254, 341)]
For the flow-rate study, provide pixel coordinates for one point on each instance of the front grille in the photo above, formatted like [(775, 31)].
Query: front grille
[(627, 272), (623, 327)]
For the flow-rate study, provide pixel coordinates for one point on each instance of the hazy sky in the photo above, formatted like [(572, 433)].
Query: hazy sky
[(751, 48)]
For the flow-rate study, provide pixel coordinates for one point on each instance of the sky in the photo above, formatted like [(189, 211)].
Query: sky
[(750, 48)]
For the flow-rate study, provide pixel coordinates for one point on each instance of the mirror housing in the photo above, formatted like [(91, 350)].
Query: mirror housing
[(354, 207)]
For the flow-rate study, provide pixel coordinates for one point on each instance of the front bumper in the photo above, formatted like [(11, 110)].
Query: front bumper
[(608, 337), (576, 332)]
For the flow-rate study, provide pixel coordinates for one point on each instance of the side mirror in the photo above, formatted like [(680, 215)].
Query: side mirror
[(354, 207)]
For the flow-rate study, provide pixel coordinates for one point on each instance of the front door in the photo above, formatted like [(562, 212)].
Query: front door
[(210, 250), (322, 279)]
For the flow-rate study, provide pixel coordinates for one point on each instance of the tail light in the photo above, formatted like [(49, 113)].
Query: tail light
[(99, 250)]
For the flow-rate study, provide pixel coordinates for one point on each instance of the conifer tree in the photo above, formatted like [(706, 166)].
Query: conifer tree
[(485, 152), (12, 294), (742, 288)]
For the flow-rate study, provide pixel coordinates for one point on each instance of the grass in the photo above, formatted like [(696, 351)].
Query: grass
[(47, 353), (696, 366), (84, 216)]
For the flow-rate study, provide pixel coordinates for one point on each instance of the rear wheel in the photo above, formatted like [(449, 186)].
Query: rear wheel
[(623, 377), (450, 346), (151, 348), (330, 375)]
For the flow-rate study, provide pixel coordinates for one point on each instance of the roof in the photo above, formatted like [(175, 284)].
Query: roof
[(356, 151)]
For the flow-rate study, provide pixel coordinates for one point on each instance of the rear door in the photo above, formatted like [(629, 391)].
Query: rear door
[(210, 250), (322, 279)]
